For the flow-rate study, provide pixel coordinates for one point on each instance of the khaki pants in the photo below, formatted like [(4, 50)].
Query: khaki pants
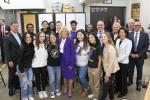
[(94, 80)]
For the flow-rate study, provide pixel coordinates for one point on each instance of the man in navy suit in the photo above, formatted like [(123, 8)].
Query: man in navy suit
[(140, 43)]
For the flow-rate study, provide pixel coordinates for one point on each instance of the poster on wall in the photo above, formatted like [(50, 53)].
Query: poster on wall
[(69, 18), (61, 17), (80, 18), (42, 17), (29, 18)]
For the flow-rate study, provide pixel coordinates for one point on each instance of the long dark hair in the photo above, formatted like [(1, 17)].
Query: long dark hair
[(38, 41), (85, 40), (24, 39), (96, 39)]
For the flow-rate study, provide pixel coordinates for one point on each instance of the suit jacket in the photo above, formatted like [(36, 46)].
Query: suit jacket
[(142, 46), (110, 62), (12, 49), (69, 52), (7, 29), (123, 50), (112, 37)]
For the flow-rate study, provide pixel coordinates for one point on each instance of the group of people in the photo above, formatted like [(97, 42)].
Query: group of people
[(56, 52)]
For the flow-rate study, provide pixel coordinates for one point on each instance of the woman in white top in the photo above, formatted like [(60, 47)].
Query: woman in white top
[(82, 55), (123, 46), (39, 64)]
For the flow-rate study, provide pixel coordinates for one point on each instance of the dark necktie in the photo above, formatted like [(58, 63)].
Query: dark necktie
[(135, 41)]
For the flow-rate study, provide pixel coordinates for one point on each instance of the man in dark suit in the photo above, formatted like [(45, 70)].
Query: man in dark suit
[(4, 29), (140, 43), (130, 25), (13, 48), (100, 29)]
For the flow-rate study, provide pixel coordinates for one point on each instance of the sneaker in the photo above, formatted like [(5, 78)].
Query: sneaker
[(40, 95), (52, 95), (90, 96), (58, 93), (95, 99), (24, 98), (45, 94), (30, 97)]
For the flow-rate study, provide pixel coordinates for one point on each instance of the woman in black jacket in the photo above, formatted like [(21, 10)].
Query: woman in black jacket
[(24, 69)]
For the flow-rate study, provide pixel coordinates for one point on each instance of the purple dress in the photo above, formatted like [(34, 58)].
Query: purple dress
[(73, 35), (68, 59)]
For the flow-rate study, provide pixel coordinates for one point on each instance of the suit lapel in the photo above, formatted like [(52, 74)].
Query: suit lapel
[(14, 41), (140, 40)]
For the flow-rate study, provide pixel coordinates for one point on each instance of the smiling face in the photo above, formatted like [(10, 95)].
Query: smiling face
[(52, 39), (92, 39), (42, 37), (28, 39), (80, 36), (104, 38), (137, 26), (45, 24), (100, 26), (122, 34)]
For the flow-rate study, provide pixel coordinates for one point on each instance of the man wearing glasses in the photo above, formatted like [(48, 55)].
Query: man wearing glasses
[(140, 43)]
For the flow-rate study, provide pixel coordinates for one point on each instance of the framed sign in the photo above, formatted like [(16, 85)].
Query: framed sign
[(107, 2)]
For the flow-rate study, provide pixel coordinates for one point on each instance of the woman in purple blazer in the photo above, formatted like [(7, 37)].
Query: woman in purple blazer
[(67, 50)]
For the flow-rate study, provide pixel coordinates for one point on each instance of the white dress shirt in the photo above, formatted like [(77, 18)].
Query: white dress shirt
[(138, 36), (17, 38), (62, 45)]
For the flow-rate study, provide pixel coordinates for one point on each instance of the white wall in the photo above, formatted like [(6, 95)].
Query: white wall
[(1, 14), (145, 13), (24, 4)]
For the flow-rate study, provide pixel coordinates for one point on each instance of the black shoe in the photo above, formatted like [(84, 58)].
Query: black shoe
[(130, 83), (138, 87), (120, 95), (11, 92)]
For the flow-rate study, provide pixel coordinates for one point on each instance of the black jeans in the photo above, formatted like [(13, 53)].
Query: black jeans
[(108, 88), (40, 77), (121, 77), (2, 51)]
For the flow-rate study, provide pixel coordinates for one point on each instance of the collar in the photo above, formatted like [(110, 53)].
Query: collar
[(137, 32)]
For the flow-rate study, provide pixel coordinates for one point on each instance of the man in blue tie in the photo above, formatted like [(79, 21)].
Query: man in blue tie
[(13, 49), (140, 43)]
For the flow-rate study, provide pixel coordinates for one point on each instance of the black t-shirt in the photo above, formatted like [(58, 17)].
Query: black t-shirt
[(53, 55), (95, 52)]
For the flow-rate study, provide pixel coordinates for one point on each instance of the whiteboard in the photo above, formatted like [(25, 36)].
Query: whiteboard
[(80, 18), (42, 17), (69, 18), (61, 17)]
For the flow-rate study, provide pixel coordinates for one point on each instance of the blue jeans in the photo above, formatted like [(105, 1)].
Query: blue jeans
[(82, 71), (26, 82), (54, 77)]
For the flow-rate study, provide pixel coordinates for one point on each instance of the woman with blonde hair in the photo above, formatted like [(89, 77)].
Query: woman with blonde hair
[(110, 65), (67, 59)]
